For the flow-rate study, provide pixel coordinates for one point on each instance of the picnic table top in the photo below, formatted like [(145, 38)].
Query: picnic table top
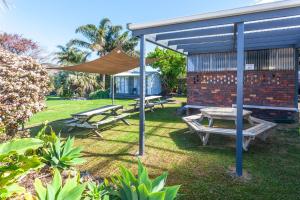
[(99, 110), (149, 98), (222, 112)]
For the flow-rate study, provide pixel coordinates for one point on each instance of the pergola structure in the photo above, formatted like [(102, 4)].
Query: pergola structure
[(272, 25)]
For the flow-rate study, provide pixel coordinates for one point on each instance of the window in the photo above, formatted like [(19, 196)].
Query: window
[(270, 59)]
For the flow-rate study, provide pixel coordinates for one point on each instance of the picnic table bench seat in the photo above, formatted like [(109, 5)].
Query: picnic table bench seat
[(258, 130), (83, 119), (111, 120)]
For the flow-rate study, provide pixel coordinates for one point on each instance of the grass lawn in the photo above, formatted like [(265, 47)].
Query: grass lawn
[(201, 170)]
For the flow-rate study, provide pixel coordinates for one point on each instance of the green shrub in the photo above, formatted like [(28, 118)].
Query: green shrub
[(58, 153), (63, 154), (99, 94), (71, 190), (97, 191), (142, 188), (15, 160)]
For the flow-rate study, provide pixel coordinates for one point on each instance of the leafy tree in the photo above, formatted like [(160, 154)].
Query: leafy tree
[(105, 37), (17, 44), (172, 66), (70, 55)]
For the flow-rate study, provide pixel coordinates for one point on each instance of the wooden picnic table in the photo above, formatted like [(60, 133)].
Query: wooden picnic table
[(150, 102), (83, 119), (225, 113), (258, 126)]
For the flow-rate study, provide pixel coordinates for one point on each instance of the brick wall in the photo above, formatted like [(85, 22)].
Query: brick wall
[(264, 88)]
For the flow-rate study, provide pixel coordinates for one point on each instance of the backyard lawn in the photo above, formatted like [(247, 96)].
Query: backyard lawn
[(274, 165)]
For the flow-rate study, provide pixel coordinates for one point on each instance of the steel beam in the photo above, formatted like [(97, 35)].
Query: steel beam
[(296, 56), (248, 44), (240, 98), (279, 34), (113, 89), (142, 96)]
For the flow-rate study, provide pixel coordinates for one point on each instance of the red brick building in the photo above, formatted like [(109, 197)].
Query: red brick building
[(270, 82)]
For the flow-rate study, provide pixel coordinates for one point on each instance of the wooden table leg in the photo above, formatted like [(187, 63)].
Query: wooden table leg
[(250, 120), (98, 134), (210, 122), (125, 121)]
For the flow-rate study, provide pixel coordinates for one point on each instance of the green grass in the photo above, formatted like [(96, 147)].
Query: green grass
[(201, 170)]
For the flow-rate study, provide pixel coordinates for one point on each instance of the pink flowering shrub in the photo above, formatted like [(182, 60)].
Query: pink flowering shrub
[(23, 86), (17, 44)]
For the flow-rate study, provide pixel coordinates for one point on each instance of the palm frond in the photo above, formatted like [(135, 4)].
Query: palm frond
[(80, 43), (89, 31), (104, 23)]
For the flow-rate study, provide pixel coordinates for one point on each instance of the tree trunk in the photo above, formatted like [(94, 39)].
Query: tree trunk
[(11, 129)]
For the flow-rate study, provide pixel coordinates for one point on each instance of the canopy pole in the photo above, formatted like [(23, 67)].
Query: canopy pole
[(240, 98), (113, 89), (142, 96)]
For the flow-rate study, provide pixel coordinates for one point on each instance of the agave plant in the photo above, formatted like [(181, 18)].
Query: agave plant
[(97, 191), (63, 154), (71, 190), (142, 188)]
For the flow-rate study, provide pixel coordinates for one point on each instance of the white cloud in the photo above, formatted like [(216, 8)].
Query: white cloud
[(264, 1)]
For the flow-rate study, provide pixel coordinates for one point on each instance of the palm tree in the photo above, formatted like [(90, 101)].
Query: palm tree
[(70, 55), (73, 83), (105, 37)]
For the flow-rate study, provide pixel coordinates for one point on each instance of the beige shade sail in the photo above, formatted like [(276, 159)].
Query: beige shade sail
[(115, 62)]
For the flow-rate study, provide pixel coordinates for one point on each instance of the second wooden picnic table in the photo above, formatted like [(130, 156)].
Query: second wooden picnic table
[(82, 119), (223, 113), (150, 102)]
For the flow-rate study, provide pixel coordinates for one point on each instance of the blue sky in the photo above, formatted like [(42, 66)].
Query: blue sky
[(53, 22)]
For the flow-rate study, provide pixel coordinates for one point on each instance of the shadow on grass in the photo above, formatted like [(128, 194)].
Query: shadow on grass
[(167, 114), (60, 128)]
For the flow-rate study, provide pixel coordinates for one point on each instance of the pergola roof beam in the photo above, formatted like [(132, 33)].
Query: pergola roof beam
[(227, 48), (152, 40), (253, 35), (202, 21), (250, 43), (260, 25), (197, 32)]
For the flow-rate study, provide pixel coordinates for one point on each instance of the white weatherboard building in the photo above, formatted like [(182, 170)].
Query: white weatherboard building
[(127, 83)]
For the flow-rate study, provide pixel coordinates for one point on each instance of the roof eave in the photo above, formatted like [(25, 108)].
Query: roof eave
[(219, 14)]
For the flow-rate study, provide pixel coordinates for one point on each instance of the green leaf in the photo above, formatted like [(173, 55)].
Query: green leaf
[(157, 196), (42, 131), (50, 193), (69, 185), (126, 191), (12, 190), (57, 181), (159, 183), (40, 190), (171, 192), (68, 146), (143, 192), (20, 145), (75, 193), (144, 178)]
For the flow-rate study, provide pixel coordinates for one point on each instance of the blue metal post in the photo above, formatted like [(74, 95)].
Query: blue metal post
[(142, 96), (296, 55), (240, 98), (113, 89)]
